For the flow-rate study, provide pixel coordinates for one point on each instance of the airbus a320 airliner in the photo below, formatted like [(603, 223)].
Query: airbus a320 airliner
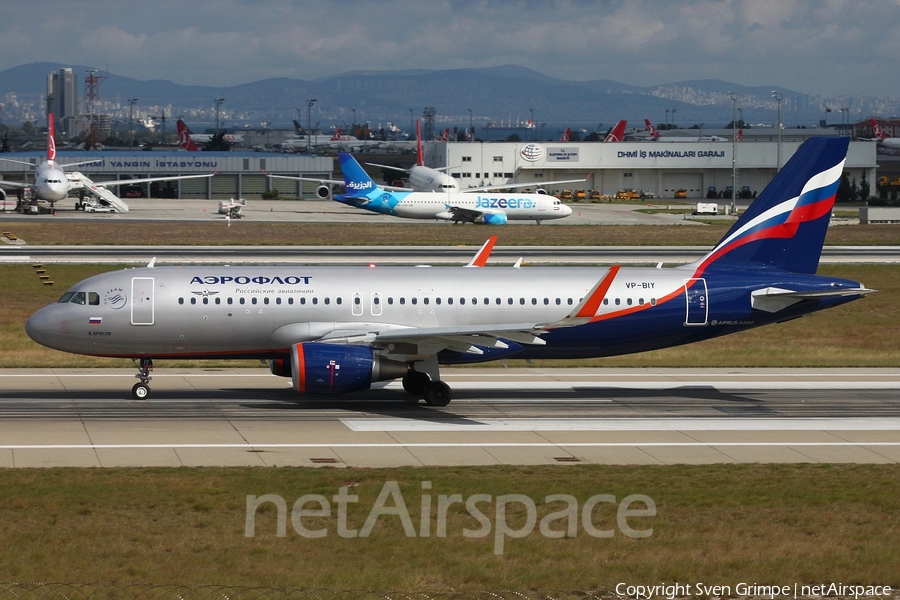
[(339, 329)]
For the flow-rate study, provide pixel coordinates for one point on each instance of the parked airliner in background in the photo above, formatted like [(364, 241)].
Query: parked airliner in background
[(185, 141), (336, 329), (428, 179), (231, 136), (653, 134), (882, 138), (617, 133), (52, 183)]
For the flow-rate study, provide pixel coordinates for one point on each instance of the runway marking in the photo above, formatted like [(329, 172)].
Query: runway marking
[(250, 446), (665, 424)]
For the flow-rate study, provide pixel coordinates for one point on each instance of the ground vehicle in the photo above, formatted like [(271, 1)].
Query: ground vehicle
[(884, 181), (595, 195), (682, 193), (745, 192), (628, 195), (580, 195), (647, 195), (566, 195), (727, 192), (711, 192)]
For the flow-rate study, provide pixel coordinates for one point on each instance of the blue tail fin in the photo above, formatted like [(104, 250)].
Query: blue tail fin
[(356, 179), (785, 226)]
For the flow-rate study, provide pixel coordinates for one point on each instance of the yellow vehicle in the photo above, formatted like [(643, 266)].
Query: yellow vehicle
[(566, 195), (682, 193), (883, 181), (580, 195), (628, 195), (596, 195)]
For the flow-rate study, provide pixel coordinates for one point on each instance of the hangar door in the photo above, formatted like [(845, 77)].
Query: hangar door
[(692, 182)]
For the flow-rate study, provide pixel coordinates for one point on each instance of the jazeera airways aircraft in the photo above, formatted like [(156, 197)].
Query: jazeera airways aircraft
[(336, 329), (52, 183), (485, 208)]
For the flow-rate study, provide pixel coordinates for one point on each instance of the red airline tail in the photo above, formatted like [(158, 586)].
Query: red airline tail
[(879, 132), (618, 132), (337, 135), (654, 134), (51, 138), (739, 135), (446, 135), (184, 137), (420, 157), (566, 134)]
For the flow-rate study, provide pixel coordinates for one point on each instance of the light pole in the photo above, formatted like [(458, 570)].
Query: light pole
[(471, 130), (309, 105), (845, 112), (673, 119), (353, 127), (734, 131), (700, 139), (778, 95), (131, 103), (218, 102), (667, 118), (411, 122)]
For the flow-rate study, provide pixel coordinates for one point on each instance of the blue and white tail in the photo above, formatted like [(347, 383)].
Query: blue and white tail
[(357, 181), (785, 226)]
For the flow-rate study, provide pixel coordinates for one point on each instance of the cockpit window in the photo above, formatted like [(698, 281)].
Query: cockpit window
[(93, 298), (78, 298), (66, 297)]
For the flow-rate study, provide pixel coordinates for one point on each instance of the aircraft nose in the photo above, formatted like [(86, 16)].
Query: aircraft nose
[(565, 209), (41, 326)]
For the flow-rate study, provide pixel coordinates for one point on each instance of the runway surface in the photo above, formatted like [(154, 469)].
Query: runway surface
[(247, 417)]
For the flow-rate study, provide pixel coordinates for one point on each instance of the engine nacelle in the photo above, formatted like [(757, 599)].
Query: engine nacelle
[(331, 369), (492, 219), (323, 192)]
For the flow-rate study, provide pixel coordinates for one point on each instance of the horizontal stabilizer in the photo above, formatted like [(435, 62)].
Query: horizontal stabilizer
[(772, 299)]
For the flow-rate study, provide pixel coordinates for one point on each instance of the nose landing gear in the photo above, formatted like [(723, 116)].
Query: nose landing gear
[(142, 389)]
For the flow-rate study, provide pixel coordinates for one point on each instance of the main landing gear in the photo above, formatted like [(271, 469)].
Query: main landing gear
[(141, 390), (426, 384)]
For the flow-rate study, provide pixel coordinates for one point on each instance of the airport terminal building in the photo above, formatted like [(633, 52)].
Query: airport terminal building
[(658, 167), (238, 174)]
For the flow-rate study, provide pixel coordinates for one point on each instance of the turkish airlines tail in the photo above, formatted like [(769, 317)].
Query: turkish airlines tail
[(51, 138), (654, 134), (618, 132), (565, 135), (184, 137)]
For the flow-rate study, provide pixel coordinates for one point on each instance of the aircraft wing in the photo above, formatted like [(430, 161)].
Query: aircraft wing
[(459, 213), (14, 184), (507, 186), (319, 180), (147, 179)]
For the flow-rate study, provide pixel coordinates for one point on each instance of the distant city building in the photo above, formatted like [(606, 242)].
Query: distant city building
[(62, 99)]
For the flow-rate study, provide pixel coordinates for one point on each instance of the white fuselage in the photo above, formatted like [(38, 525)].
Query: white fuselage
[(426, 179), (50, 182)]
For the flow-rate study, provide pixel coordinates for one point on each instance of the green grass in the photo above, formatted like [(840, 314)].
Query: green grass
[(723, 524), (860, 334), (427, 234)]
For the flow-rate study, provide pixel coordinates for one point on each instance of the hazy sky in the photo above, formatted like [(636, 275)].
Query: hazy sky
[(825, 47)]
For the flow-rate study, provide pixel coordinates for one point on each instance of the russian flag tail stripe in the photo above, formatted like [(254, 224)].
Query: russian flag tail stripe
[(785, 226)]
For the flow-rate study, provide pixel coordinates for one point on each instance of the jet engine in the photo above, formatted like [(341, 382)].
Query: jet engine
[(317, 368), (323, 192)]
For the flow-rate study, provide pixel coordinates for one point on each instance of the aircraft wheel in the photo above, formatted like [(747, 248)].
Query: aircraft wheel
[(140, 391), (437, 393), (414, 383)]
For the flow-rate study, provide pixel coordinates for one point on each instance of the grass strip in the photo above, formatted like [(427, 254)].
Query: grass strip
[(722, 524)]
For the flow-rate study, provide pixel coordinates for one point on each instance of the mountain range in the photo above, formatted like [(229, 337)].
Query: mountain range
[(493, 94)]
